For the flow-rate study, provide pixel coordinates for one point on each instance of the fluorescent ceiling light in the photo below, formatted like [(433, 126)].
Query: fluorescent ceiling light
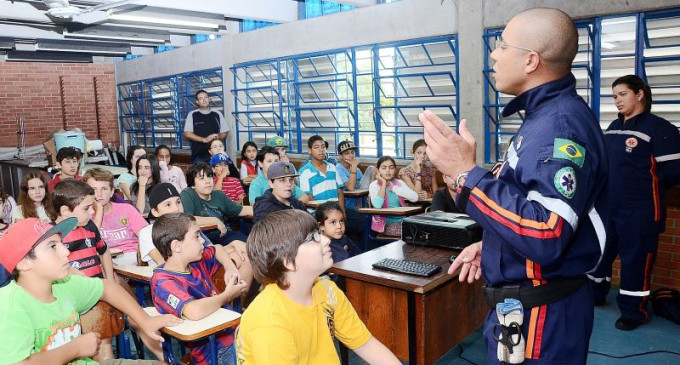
[(123, 38), (164, 21)]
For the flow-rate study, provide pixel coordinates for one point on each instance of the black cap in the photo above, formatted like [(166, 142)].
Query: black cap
[(161, 192)]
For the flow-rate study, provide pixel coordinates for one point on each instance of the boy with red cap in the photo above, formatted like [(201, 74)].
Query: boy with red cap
[(40, 307)]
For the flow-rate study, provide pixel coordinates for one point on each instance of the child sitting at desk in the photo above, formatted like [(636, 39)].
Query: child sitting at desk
[(164, 199), (183, 285), (332, 224), (388, 192), (40, 308), (298, 315), (68, 160), (119, 223)]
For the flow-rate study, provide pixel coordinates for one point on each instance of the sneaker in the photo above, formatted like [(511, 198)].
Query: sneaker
[(625, 324)]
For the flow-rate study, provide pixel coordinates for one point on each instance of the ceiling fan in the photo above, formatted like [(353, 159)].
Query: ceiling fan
[(61, 9)]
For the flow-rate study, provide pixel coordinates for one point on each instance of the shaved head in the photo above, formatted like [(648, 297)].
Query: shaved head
[(551, 33)]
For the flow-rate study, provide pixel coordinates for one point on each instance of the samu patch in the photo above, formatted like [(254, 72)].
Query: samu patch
[(565, 181), (569, 150)]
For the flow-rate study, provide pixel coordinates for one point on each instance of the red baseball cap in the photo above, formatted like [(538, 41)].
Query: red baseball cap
[(21, 237)]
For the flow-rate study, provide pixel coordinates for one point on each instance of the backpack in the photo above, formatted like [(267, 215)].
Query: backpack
[(666, 304)]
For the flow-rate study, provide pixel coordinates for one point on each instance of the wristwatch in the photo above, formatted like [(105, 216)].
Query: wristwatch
[(460, 180)]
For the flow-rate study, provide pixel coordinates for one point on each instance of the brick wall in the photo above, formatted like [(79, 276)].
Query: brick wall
[(33, 90), (666, 271)]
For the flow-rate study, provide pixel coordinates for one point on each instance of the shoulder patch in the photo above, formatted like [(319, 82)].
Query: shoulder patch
[(565, 181), (569, 150), (173, 301)]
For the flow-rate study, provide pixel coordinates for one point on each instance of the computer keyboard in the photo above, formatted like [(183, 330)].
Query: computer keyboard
[(408, 267)]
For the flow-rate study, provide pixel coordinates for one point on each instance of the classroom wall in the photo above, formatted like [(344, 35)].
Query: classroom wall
[(32, 90), (408, 19)]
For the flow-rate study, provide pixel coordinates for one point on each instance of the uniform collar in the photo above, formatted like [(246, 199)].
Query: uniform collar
[(533, 99), (632, 121)]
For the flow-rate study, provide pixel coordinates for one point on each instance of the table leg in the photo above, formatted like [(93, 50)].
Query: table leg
[(213, 350), (412, 340)]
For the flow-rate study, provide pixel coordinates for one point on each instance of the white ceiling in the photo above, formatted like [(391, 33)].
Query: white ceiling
[(139, 25)]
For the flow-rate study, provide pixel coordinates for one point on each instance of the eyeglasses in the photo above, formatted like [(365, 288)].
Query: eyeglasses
[(314, 236), (500, 43)]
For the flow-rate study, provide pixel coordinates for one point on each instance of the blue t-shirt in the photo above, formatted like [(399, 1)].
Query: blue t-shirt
[(321, 186), (344, 174)]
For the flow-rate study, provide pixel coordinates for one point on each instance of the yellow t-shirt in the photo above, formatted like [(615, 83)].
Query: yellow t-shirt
[(276, 330)]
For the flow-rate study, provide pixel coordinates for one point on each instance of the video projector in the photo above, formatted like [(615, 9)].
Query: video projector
[(447, 230)]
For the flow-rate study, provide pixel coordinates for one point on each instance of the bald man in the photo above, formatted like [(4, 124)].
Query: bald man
[(542, 211)]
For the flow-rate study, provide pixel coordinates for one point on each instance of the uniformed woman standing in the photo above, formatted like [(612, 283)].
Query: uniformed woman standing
[(644, 160)]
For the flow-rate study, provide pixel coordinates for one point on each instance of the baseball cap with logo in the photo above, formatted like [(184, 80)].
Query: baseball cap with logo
[(219, 158), (281, 169), (161, 192), (21, 237), (346, 146), (277, 141)]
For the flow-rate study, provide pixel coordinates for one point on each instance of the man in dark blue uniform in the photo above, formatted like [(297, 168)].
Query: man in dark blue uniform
[(644, 160), (202, 126), (543, 213)]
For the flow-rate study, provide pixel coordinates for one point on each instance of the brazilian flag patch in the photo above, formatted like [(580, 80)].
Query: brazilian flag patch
[(569, 150)]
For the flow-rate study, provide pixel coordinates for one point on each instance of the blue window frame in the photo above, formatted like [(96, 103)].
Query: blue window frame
[(246, 25), (369, 94), (152, 112)]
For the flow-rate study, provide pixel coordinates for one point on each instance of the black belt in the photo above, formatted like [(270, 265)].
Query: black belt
[(534, 296)]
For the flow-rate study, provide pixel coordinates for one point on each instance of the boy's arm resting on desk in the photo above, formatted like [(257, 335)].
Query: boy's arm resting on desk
[(121, 300), (209, 221), (201, 308), (374, 352), (246, 211)]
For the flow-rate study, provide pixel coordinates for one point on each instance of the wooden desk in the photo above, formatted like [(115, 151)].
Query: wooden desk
[(190, 331), (359, 195), (419, 319), (316, 203)]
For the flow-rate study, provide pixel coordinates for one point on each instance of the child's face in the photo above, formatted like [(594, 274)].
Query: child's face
[(51, 259), (169, 205), (348, 156), (192, 244), (282, 188), (69, 166), (281, 151), (82, 211), (144, 169), (164, 156), (318, 150), (314, 255), (334, 225), (386, 170), (419, 154), (137, 155), (216, 146), (251, 153), (102, 191), (218, 168), (203, 183), (36, 190), (269, 159)]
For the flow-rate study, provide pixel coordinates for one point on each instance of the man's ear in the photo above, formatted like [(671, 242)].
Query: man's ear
[(533, 60), (59, 164), (155, 212), (271, 184)]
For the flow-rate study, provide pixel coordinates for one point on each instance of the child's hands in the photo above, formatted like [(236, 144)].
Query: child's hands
[(381, 179), (142, 180), (151, 325), (221, 227), (235, 287), (354, 165), (422, 195), (87, 345)]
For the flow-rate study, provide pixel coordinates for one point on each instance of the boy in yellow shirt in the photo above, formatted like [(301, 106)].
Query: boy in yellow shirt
[(296, 317)]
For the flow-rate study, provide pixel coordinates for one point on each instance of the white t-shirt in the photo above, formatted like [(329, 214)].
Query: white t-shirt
[(146, 245)]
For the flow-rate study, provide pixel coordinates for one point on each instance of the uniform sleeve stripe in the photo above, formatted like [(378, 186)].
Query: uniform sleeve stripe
[(675, 156), (637, 134), (545, 234), (556, 206), (550, 225)]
